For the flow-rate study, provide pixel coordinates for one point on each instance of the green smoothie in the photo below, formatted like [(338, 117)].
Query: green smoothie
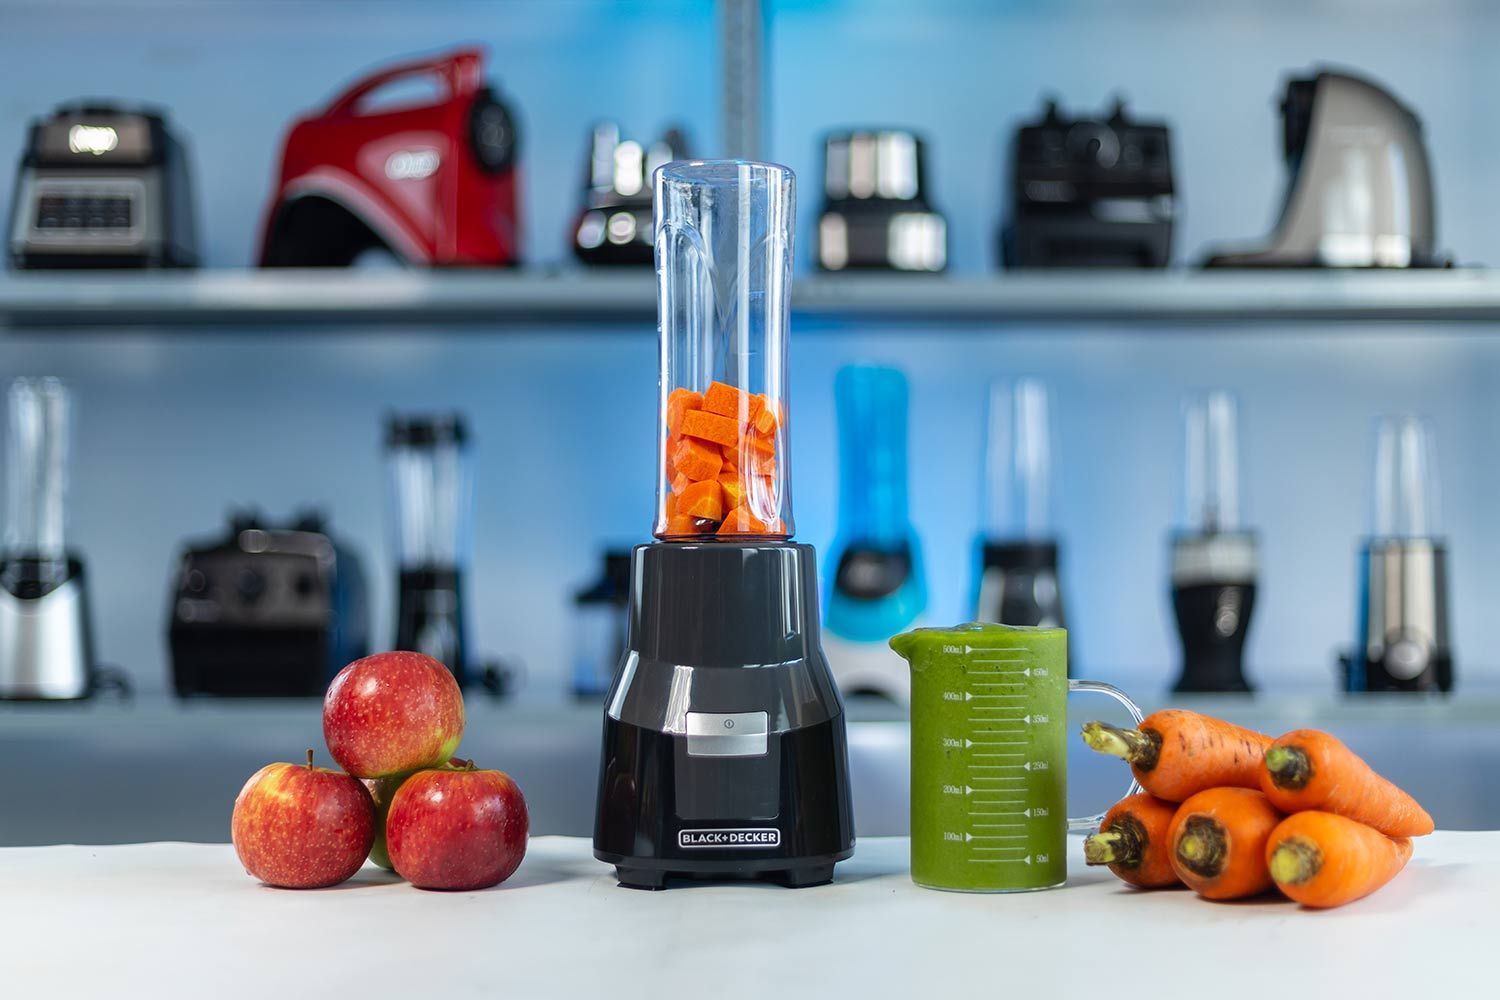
[(988, 756)]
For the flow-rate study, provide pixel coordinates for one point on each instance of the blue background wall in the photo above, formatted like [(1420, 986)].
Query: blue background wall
[(175, 426)]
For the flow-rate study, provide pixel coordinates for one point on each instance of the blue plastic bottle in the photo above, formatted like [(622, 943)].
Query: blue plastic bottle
[(877, 588)]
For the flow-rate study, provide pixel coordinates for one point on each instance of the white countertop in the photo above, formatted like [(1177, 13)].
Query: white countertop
[(183, 920)]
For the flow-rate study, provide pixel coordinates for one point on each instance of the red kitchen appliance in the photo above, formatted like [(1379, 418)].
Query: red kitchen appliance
[(432, 181)]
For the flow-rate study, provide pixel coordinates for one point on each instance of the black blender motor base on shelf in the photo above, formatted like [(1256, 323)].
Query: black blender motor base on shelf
[(1213, 597), (430, 616), (1018, 584), (724, 751)]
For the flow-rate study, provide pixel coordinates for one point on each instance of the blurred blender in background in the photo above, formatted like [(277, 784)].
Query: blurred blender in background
[(1017, 579), (1403, 640), (1215, 562), (877, 588)]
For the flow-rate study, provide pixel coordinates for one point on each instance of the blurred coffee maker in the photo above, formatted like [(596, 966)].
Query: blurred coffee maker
[(1403, 639), (1214, 560), (1017, 578)]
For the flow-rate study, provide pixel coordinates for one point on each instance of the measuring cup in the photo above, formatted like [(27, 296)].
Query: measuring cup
[(989, 763)]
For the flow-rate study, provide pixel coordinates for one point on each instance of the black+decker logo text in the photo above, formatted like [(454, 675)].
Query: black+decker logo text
[(744, 839)]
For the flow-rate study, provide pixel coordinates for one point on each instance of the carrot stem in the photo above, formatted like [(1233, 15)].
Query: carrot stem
[(1201, 847), (1289, 767), (1132, 745), (1295, 861), (1104, 848)]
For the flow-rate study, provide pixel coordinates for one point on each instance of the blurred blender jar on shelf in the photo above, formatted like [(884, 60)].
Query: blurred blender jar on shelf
[(432, 516), (724, 751), (1215, 562), (1017, 581), (46, 647), (877, 588), (599, 612), (1403, 640)]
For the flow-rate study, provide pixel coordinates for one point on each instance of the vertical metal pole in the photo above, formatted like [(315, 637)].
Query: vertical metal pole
[(742, 31)]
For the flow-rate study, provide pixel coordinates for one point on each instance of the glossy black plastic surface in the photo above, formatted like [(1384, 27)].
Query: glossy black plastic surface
[(723, 628), (1213, 620)]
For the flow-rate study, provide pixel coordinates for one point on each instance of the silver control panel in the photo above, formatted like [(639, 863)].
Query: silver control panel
[(734, 734)]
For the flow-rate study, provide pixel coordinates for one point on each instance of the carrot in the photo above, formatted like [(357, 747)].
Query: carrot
[(679, 401), (710, 427), (696, 460), (728, 401), (703, 500), (734, 489), (1323, 859), (741, 521), (1218, 842), (1310, 769), (1176, 754), (1132, 840)]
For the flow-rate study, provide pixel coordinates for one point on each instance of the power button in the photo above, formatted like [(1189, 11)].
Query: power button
[(727, 734)]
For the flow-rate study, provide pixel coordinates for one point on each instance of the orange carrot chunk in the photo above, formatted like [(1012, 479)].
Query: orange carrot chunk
[(734, 490), (1218, 842), (742, 521), (682, 524), (1175, 754), (696, 460), (1133, 841), (710, 427), (703, 500), (1322, 859), (765, 420), (680, 401), (727, 401), (1310, 769)]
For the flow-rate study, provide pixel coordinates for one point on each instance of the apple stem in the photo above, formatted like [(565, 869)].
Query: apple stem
[(309, 758), (465, 765)]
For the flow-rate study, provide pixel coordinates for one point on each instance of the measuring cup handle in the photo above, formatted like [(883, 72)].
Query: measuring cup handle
[(1099, 687)]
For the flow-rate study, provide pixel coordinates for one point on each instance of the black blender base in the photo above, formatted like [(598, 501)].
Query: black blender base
[(654, 879)]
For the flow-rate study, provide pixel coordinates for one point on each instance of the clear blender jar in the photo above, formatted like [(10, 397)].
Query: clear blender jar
[(1017, 580), (724, 751), (724, 252), (1215, 561), (45, 642), (431, 490)]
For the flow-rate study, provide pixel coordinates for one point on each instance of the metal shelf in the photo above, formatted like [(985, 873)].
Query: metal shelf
[(496, 299)]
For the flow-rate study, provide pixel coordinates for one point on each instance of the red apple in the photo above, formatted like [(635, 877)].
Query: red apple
[(302, 827), (391, 713), (457, 828), (382, 790)]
